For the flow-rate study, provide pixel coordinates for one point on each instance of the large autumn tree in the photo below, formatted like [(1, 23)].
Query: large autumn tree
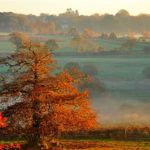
[(43, 104)]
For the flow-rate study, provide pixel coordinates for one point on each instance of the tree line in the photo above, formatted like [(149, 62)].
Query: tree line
[(121, 22)]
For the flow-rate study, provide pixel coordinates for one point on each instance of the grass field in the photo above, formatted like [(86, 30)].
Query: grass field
[(122, 76), (98, 145), (6, 47), (127, 96), (65, 43), (119, 74), (108, 145)]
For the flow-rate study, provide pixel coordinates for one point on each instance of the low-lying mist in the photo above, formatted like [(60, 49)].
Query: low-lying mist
[(119, 90), (119, 110)]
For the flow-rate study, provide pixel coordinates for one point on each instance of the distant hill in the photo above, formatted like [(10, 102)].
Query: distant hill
[(121, 22)]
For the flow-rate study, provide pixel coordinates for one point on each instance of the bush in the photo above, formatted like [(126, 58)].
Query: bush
[(95, 87), (90, 69), (71, 65)]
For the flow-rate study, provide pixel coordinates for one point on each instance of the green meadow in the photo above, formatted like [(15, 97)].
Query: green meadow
[(122, 75)]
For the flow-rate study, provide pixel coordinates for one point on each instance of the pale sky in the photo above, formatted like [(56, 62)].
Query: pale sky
[(86, 7)]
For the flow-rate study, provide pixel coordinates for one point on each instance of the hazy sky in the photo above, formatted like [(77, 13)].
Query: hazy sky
[(86, 7)]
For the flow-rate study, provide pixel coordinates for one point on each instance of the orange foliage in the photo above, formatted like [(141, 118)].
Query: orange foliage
[(50, 103), (2, 121)]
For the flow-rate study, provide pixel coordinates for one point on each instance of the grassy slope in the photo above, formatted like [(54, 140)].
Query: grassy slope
[(119, 74), (122, 75), (109, 145), (65, 43), (98, 144)]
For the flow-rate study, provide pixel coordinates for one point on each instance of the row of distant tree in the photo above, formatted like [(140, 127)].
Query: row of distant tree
[(122, 22), (89, 33), (82, 44)]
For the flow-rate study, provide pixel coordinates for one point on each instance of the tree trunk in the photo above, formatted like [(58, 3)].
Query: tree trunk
[(36, 119)]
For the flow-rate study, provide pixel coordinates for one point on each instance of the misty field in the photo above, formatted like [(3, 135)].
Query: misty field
[(127, 89), (125, 99), (120, 74)]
